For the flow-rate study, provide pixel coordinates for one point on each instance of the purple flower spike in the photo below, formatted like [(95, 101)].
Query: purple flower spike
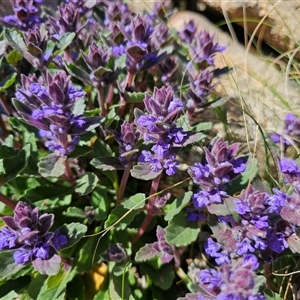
[(48, 106), (204, 48), (27, 232), (160, 159), (157, 124), (231, 282), (220, 168), (27, 15), (127, 140), (188, 33)]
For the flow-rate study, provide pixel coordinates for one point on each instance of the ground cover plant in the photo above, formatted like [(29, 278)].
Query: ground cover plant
[(111, 184)]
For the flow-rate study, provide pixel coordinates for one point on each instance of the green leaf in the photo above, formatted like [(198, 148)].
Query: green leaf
[(74, 232), (8, 267), (3, 46), (14, 57), (81, 151), (37, 286), (101, 148), (56, 285), (177, 205), (135, 202), (120, 63), (204, 126), (11, 289), (47, 193), (134, 97), (65, 41), (10, 167), (76, 289), (75, 212), (98, 200), (181, 232), (118, 213), (89, 253), (86, 183), (8, 81), (78, 73), (270, 295), (222, 209), (107, 163), (15, 39), (119, 289), (52, 165), (163, 277)]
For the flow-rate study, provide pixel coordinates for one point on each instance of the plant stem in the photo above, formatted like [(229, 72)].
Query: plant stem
[(2, 126), (123, 183), (181, 274), (7, 201), (149, 216), (101, 101), (68, 173), (6, 106), (67, 55), (122, 108), (110, 95)]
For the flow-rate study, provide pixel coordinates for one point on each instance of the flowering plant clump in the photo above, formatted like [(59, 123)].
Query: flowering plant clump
[(112, 186)]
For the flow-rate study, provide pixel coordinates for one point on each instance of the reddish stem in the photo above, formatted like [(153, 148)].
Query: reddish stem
[(69, 174), (101, 101), (7, 201), (122, 187), (110, 95), (149, 216)]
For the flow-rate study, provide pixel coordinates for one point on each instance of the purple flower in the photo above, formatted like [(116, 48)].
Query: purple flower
[(200, 87), (291, 131), (188, 33), (48, 106), (157, 123), (203, 49), (160, 159), (231, 282), (27, 232), (27, 15)]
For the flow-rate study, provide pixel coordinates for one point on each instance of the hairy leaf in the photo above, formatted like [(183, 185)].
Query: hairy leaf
[(86, 183), (52, 165), (74, 232), (181, 232), (177, 205)]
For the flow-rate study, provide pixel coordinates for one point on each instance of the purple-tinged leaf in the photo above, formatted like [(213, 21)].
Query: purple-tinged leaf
[(222, 209), (294, 243), (48, 267), (290, 215), (52, 165), (143, 171), (147, 252)]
